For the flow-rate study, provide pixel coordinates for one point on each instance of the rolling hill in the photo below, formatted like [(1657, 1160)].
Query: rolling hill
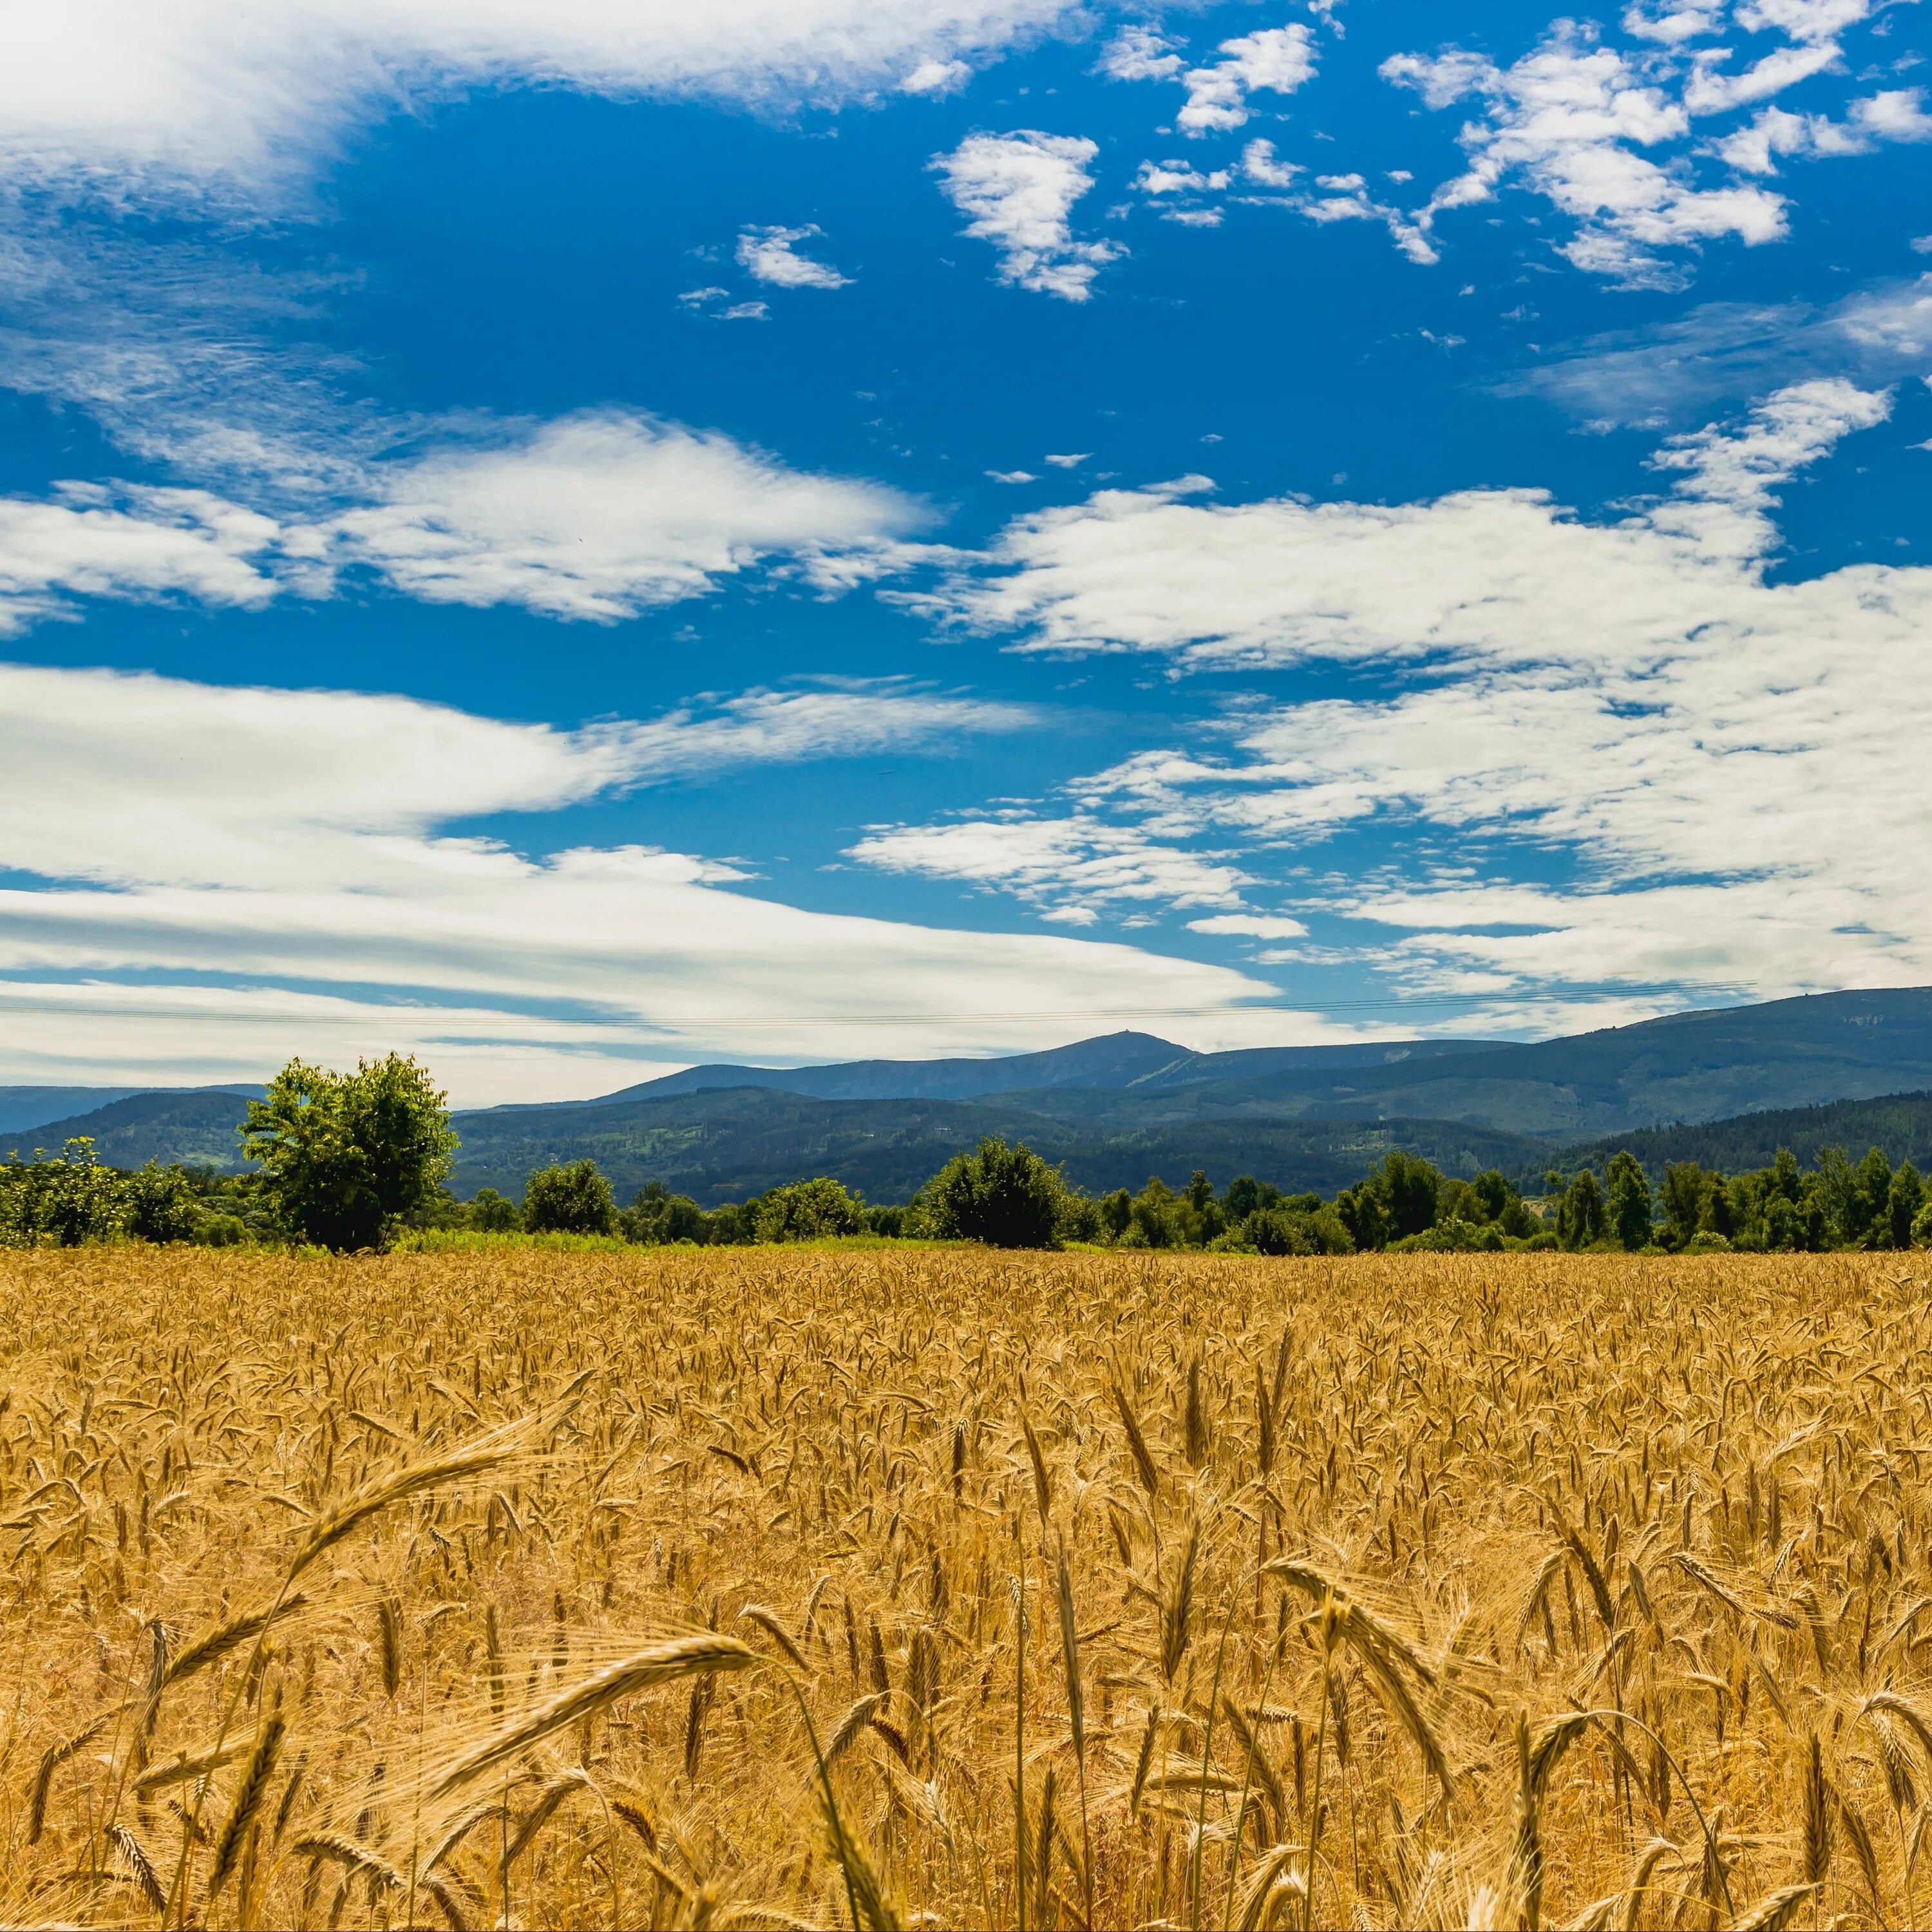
[(1121, 1106), (196, 1126), (722, 1145), (1899, 1123)]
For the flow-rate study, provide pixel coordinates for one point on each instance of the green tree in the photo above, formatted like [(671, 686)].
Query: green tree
[(1156, 1220), (492, 1213), (812, 1210), (1117, 1212), (1903, 1202), (1871, 1224), (1628, 1210), (1245, 1194), (1493, 1194), (1286, 1231), (67, 1199), (348, 1155), (1686, 1192), (569, 1198), (659, 1217), (1580, 1214), (1006, 1196), (1360, 1210), (1410, 1187), (158, 1204)]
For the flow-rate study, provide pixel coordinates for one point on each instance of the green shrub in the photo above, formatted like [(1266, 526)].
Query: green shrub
[(63, 1200), (158, 1205), (350, 1155), (1006, 1196), (490, 1213), (813, 1210), (569, 1199)]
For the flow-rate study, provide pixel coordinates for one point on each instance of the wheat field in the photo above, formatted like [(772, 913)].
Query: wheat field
[(763, 1588)]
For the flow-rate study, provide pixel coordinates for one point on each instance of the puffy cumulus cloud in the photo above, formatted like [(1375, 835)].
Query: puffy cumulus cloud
[(283, 852), (598, 515), (1273, 60), (1651, 763), (771, 255), (1673, 21), (1018, 191), (198, 94), (136, 544), (1140, 53), (1067, 866), (935, 78), (1897, 115), (1567, 120)]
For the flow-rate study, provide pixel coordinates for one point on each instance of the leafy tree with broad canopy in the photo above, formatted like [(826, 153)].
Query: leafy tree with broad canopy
[(348, 1155), (1005, 1196), (573, 1199)]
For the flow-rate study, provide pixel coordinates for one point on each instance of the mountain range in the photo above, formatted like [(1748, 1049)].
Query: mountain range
[(1121, 1106)]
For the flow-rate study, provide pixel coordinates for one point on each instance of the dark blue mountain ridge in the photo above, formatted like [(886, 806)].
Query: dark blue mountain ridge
[(1125, 1061), (1095, 1099)]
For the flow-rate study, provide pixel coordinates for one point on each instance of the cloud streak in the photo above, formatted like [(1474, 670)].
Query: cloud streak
[(288, 848)]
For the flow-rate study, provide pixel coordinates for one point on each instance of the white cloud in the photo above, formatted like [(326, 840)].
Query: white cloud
[(599, 515), (1072, 459), (1673, 21), (1259, 164), (1773, 134), (1282, 581), (595, 516), (933, 78), (1567, 119), (771, 255), (194, 92), (1012, 476), (1178, 178), (1276, 60), (286, 846), (1018, 190), (1710, 90), (1067, 865), (1140, 53), (1719, 352), (137, 543), (1652, 763), (1250, 925)]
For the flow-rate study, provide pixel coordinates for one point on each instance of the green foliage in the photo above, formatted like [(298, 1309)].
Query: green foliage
[(62, 1201), (1283, 1230), (813, 1210), (1583, 1213), (1903, 1199), (1628, 1210), (660, 1218), (158, 1204), (1006, 1197), (570, 1198), (350, 1155), (490, 1213)]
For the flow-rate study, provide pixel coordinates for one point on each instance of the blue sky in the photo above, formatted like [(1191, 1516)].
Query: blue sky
[(567, 542)]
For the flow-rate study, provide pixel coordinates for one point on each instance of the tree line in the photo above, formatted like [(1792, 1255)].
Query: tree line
[(351, 1161)]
